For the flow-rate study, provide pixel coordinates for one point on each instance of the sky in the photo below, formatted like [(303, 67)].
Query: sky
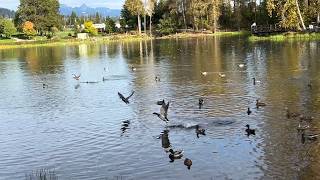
[(113, 4)]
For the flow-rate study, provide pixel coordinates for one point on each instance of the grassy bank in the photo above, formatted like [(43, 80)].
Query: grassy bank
[(39, 41), (290, 36), (63, 39)]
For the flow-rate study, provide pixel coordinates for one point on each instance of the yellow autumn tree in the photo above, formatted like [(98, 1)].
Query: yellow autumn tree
[(28, 29)]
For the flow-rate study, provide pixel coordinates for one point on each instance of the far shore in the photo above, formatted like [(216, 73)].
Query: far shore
[(18, 43)]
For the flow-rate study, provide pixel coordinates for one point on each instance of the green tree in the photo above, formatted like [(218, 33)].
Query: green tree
[(167, 26), (7, 28), (44, 14), (288, 11), (110, 25), (136, 8)]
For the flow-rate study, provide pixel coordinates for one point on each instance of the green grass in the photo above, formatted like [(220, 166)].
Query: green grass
[(290, 36), (233, 33), (39, 41)]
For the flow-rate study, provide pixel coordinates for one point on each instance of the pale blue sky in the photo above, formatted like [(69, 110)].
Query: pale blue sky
[(113, 4)]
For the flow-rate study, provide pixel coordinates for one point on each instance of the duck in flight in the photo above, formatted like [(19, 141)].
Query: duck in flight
[(163, 112), (125, 99), (76, 77)]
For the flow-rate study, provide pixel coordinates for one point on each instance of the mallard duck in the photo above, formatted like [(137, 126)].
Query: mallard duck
[(200, 131), (125, 99), (222, 75), (76, 77), (241, 65), (291, 114), (204, 73), (187, 162), (260, 104), (176, 154), (201, 101), (250, 131), (249, 111), (163, 112)]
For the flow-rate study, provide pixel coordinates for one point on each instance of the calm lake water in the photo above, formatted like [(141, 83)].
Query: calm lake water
[(76, 129)]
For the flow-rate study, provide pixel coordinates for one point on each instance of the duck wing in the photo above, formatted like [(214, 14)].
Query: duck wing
[(130, 95), (121, 96)]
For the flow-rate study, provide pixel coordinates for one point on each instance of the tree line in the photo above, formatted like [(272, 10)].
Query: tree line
[(170, 15)]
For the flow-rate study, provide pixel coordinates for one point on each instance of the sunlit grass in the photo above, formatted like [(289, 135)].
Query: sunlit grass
[(286, 36)]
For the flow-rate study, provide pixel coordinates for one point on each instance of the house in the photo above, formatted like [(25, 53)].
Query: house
[(100, 27)]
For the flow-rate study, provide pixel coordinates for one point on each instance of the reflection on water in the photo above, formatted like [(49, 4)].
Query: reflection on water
[(82, 130)]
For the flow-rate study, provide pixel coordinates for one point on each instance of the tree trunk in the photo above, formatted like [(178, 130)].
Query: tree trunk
[(214, 22), (139, 24), (300, 17), (184, 15), (145, 23), (318, 18), (150, 28)]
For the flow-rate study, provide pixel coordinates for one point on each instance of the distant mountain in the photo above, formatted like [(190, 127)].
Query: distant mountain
[(7, 13), (85, 10)]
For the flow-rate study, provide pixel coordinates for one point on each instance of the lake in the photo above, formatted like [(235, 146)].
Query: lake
[(79, 130)]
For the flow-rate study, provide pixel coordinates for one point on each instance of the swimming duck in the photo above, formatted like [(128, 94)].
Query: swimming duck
[(204, 73), (157, 79), (249, 111), (200, 131), (292, 114), (310, 85), (306, 118), (44, 86), (250, 131), (133, 68), (76, 77), (260, 104), (310, 137), (125, 99), (163, 112), (222, 75), (241, 65), (176, 154), (187, 162), (201, 101), (255, 81), (302, 128)]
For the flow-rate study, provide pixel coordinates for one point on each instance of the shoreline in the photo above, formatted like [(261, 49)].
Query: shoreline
[(17, 43), (288, 36), (11, 44)]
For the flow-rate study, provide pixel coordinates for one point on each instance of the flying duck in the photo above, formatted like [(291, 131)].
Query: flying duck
[(125, 99)]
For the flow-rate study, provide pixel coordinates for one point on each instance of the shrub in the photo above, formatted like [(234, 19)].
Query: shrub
[(166, 26), (7, 28)]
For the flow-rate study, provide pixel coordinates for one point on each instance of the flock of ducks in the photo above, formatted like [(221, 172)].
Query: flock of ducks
[(163, 115), (304, 125)]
